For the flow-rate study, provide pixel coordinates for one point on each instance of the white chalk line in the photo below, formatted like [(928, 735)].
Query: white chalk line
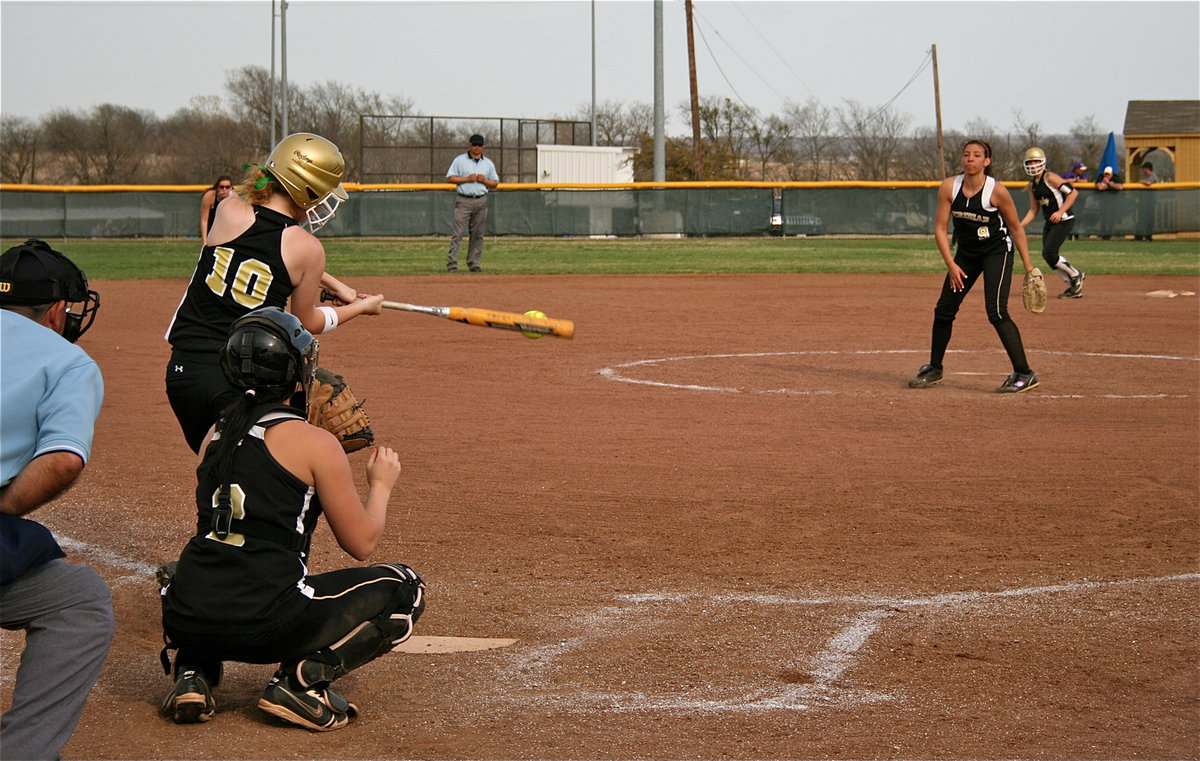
[(612, 372), (825, 689)]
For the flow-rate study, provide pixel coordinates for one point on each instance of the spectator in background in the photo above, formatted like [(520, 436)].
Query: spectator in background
[(475, 175), (50, 395), (1078, 173), (1107, 186), (1145, 207), (219, 191)]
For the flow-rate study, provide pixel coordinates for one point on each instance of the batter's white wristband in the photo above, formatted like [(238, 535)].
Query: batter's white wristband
[(331, 318)]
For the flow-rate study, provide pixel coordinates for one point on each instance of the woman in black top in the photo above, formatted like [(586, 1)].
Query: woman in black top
[(242, 590), (986, 227)]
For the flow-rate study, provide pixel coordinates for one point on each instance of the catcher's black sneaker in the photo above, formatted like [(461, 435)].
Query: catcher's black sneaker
[(319, 710), (165, 573), (1018, 382), (1075, 289), (191, 701), (926, 376)]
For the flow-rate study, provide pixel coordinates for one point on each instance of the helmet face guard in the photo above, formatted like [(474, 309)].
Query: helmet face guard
[(318, 216), (1035, 162)]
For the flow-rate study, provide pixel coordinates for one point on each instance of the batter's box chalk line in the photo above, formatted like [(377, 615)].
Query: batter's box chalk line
[(622, 373), (528, 670)]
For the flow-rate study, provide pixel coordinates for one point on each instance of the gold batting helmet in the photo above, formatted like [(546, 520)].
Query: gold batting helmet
[(310, 169), (1035, 162)]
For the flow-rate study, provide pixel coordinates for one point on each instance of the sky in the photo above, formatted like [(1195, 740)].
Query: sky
[(1045, 63)]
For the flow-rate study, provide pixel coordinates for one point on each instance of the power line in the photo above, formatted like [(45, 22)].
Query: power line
[(776, 52), (925, 63)]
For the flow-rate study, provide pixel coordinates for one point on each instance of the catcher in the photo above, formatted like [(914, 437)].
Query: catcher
[(243, 591)]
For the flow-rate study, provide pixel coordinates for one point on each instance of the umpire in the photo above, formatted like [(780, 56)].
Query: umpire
[(50, 395), (475, 175)]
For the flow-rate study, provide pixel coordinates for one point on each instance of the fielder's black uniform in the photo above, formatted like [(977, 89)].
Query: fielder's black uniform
[(1051, 199), (984, 247), (248, 597), (230, 280)]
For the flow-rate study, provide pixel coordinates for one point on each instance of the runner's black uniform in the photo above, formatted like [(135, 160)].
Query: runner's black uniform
[(1053, 233)]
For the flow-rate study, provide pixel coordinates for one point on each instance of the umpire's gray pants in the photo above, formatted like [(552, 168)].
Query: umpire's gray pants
[(473, 213), (66, 612)]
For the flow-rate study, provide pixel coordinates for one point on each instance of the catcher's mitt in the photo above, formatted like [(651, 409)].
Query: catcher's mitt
[(1033, 291), (334, 407)]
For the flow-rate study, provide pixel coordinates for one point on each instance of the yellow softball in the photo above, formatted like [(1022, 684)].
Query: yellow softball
[(534, 313)]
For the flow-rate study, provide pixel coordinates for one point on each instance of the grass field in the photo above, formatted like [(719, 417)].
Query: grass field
[(120, 259)]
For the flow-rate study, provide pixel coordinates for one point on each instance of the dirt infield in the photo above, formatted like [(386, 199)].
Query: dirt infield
[(718, 525)]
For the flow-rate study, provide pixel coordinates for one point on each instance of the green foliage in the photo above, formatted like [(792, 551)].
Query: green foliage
[(122, 259)]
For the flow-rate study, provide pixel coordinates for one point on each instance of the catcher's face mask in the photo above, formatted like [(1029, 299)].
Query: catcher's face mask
[(33, 274), (267, 350)]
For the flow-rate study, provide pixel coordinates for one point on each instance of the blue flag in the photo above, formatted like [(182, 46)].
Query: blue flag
[(1109, 159)]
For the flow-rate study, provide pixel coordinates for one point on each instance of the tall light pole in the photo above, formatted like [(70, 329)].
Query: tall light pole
[(283, 62), (593, 73), (273, 139), (660, 158)]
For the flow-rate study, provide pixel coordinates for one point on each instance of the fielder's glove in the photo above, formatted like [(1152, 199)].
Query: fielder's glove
[(334, 407), (1033, 291)]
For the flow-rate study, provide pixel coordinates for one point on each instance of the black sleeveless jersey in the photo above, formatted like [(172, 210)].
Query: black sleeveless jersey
[(245, 583), (230, 280), (978, 226), (1049, 198)]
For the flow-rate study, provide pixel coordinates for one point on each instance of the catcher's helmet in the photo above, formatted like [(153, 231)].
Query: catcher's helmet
[(33, 274), (310, 169), (266, 351), (1035, 162)]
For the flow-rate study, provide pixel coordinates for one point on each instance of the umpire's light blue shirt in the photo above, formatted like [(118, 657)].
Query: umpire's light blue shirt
[(50, 394), (463, 165)]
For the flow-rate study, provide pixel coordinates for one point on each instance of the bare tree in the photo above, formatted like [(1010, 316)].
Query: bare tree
[(107, 145), (202, 141), (817, 144), (874, 136), (1089, 142), (616, 123), (772, 146), (18, 149)]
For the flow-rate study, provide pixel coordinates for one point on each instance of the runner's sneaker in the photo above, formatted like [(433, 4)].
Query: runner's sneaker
[(926, 376), (1018, 382), (191, 701), (1075, 289), (320, 710)]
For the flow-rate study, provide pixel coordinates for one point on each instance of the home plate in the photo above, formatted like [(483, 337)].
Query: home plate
[(416, 644)]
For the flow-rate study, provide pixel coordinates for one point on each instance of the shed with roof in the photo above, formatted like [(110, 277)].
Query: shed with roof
[(1171, 126)]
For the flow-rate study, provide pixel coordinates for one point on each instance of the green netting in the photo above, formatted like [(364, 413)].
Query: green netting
[(571, 212)]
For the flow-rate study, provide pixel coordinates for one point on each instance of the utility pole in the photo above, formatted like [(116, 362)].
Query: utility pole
[(937, 104), (697, 160)]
